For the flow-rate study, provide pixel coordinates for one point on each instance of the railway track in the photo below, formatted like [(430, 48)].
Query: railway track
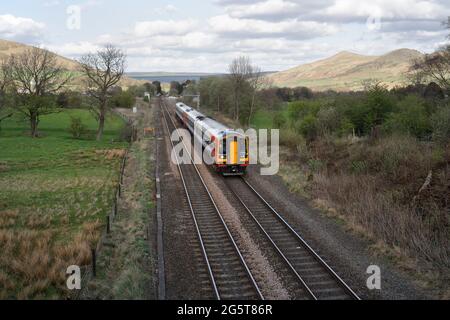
[(314, 275), (230, 277)]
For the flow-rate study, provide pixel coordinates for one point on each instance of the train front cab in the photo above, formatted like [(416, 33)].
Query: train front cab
[(232, 155)]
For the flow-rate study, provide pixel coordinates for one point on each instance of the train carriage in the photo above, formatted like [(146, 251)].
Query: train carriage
[(228, 149)]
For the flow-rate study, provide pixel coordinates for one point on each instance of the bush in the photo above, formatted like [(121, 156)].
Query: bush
[(411, 118), (399, 158), (290, 138), (368, 111), (77, 128), (346, 127), (307, 127), (440, 123), (315, 165), (124, 99), (279, 120), (378, 105), (328, 121)]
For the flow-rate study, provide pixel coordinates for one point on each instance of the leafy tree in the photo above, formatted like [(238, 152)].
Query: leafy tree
[(137, 91), (377, 107), (410, 117), (150, 88), (124, 99), (300, 109), (158, 87), (176, 88)]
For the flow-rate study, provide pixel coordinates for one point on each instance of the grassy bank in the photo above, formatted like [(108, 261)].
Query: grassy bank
[(126, 263), (389, 186), (55, 194)]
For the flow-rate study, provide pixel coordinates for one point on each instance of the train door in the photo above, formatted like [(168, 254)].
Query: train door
[(234, 151)]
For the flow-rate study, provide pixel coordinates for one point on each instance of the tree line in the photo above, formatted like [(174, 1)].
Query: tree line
[(34, 84)]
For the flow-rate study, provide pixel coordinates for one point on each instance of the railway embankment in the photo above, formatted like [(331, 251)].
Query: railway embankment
[(126, 266)]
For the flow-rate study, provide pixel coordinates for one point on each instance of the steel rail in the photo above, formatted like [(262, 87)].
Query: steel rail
[(199, 234)]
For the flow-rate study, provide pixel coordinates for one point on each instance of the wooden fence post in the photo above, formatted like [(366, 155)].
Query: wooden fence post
[(94, 263)]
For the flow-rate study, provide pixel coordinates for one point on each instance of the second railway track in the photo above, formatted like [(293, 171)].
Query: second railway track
[(230, 277), (314, 275)]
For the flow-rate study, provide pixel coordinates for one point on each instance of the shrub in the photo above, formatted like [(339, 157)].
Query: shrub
[(315, 165), (378, 105), (77, 128), (123, 99), (411, 118), (358, 167), (346, 127), (328, 121), (399, 157), (307, 127), (279, 120), (378, 214), (440, 123), (300, 109), (290, 138)]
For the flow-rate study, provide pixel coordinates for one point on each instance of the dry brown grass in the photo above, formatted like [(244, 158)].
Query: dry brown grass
[(112, 154), (42, 262), (373, 187), (361, 202)]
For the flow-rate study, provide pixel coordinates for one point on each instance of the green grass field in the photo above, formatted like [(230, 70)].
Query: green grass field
[(55, 193), (263, 119)]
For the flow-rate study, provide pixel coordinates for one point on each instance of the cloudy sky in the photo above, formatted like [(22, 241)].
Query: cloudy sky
[(204, 36)]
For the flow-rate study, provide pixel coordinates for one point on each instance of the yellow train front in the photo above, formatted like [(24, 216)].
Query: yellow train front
[(227, 150)]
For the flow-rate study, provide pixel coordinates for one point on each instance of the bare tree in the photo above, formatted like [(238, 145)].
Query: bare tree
[(102, 71), (240, 70), (434, 67), (37, 77), (257, 81), (5, 83)]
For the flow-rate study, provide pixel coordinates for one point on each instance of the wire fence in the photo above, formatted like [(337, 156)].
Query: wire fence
[(90, 271)]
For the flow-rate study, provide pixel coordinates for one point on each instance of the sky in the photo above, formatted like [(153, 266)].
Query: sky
[(205, 36)]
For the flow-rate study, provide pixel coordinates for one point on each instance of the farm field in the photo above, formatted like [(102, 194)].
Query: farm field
[(55, 194)]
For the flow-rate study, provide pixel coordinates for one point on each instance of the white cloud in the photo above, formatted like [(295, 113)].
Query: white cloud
[(167, 9), (265, 10), (51, 3), (164, 27), (276, 34), (74, 49), (18, 28), (387, 9), (290, 28)]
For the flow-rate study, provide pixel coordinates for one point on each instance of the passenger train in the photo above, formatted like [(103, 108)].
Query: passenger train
[(228, 149)]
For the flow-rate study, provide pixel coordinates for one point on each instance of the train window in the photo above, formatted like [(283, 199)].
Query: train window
[(247, 144), (223, 149)]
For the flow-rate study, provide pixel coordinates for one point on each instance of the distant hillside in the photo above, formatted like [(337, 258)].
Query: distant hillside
[(167, 77), (347, 71), (8, 48)]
